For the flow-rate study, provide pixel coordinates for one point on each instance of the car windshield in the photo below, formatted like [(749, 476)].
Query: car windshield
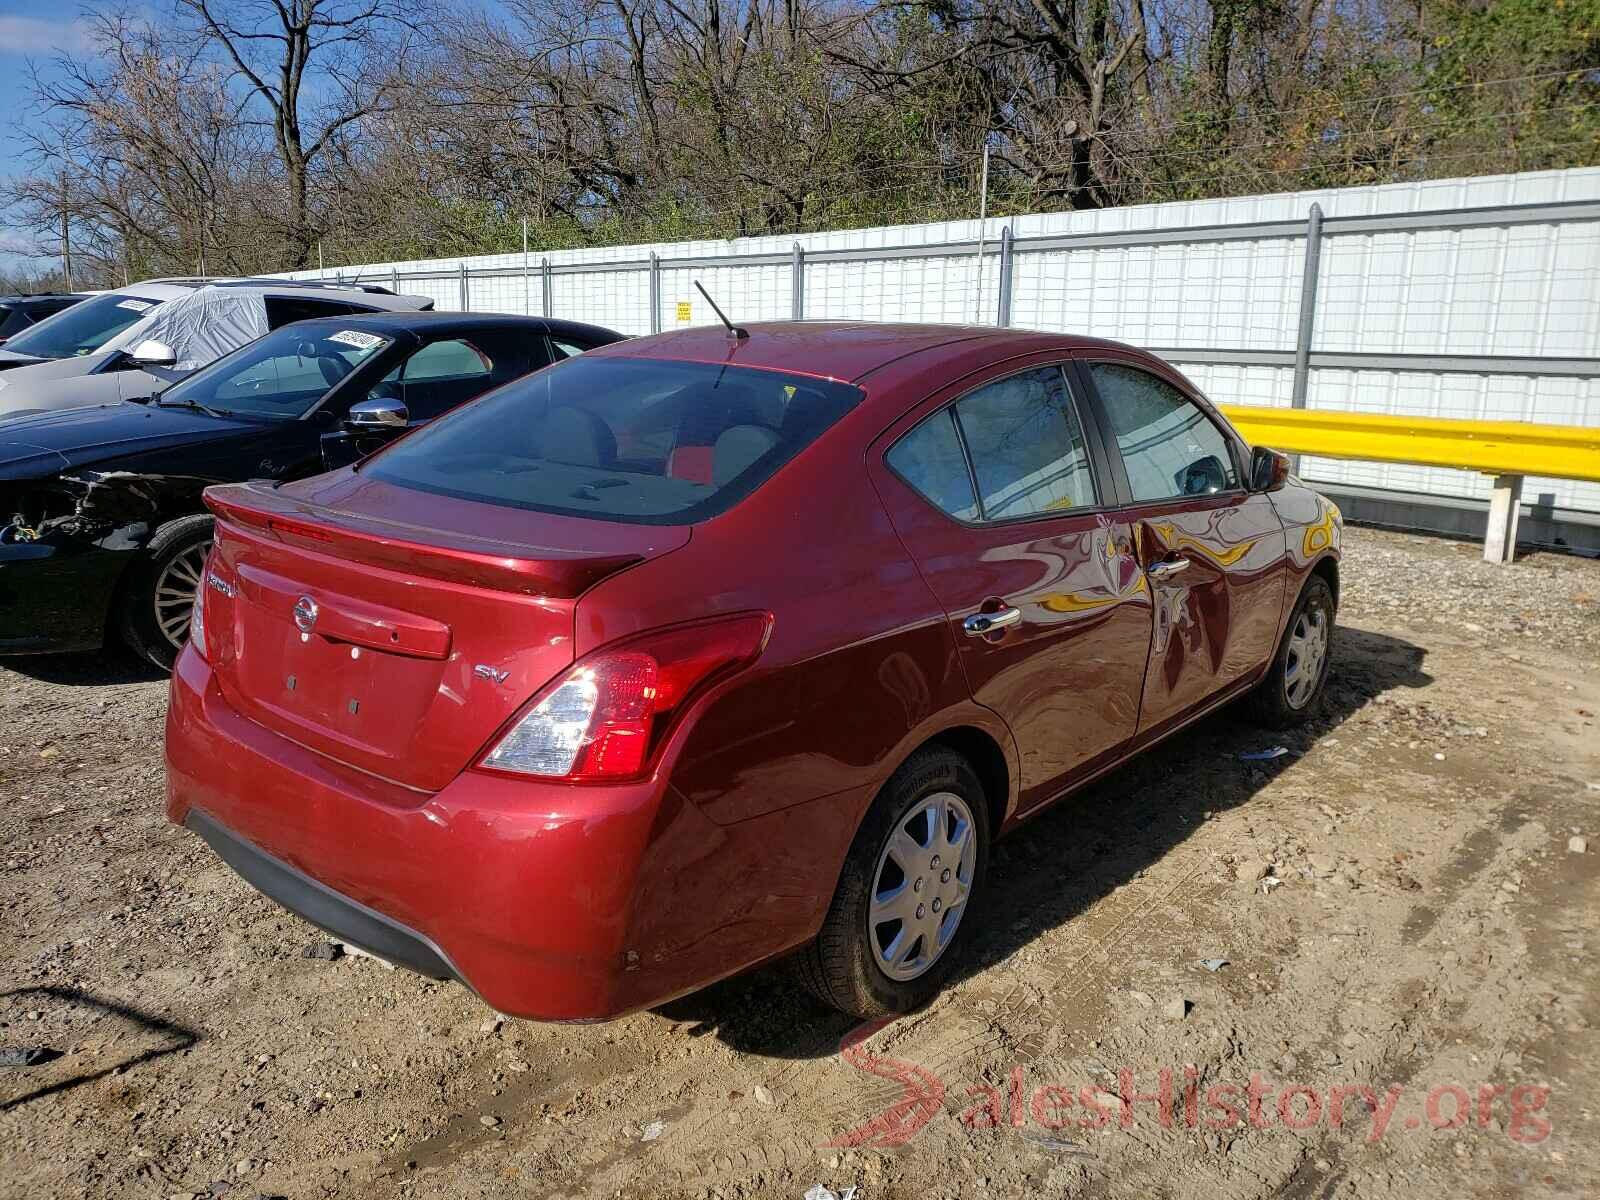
[(83, 328), (279, 377), (621, 439)]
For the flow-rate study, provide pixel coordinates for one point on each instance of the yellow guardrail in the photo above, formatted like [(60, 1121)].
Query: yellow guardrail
[(1493, 447), (1508, 450)]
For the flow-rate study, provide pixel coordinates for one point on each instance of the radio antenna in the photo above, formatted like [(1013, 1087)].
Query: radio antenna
[(734, 331)]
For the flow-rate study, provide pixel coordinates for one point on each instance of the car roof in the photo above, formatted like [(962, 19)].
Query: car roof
[(452, 322), (288, 290), (843, 350), (36, 297), (155, 289)]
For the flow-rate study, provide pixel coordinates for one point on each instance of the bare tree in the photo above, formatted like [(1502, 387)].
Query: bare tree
[(350, 47)]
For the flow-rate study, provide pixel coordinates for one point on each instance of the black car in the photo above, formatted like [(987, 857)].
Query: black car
[(102, 527), (22, 312)]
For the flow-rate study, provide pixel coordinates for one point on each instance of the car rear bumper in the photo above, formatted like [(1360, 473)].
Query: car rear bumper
[(322, 906), (551, 902)]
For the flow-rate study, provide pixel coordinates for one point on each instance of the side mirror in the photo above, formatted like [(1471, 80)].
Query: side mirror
[(151, 353), (1269, 470), (382, 413)]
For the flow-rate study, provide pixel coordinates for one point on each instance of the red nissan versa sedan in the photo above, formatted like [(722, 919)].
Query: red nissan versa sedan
[(697, 650)]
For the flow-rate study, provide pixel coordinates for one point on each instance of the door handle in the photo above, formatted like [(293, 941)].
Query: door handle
[(984, 623), (1166, 568)]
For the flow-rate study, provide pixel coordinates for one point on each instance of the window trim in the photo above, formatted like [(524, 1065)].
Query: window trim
[(1093, 447), (1102, 416)]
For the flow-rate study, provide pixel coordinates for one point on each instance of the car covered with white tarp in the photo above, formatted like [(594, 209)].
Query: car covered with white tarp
[(130, 344)]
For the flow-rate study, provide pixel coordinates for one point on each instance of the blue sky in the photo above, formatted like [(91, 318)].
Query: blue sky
[(27, 32)]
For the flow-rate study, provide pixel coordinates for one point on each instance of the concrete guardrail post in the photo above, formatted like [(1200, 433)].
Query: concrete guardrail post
[(1505, 510)]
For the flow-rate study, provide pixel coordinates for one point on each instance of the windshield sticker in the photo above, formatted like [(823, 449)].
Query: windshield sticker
[(136, 305), (354, 337)]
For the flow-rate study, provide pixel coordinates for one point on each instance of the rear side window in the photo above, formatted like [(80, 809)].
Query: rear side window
[(1169, 447), (929, 458), (285, 310), (621, 439), (1023, 440)]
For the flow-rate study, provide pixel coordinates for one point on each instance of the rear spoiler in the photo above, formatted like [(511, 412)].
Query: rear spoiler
[(256, 510)]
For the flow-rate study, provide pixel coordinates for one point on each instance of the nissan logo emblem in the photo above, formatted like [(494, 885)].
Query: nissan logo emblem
[(305, 613)]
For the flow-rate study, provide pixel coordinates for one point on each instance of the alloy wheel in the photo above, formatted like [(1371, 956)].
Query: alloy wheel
[(175, 591)]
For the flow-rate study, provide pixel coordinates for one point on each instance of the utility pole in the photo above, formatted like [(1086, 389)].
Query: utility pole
[(983, 216)]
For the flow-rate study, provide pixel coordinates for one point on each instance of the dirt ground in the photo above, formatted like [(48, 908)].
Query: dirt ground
[(1398, 900)]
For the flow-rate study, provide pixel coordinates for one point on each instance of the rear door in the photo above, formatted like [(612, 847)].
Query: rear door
[(1000, 495), (1212, 553)]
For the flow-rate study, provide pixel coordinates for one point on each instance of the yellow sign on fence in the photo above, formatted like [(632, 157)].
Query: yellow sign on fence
[(685, 310)]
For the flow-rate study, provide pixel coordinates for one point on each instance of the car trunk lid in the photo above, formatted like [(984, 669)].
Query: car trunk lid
[(395, 647)]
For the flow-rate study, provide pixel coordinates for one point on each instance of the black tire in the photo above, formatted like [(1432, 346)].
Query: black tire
[(167, 560), (1275, 702), (840, 968)]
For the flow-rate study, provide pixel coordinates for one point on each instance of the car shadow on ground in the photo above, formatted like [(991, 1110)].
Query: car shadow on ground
[(96, 668), (1083, 848)]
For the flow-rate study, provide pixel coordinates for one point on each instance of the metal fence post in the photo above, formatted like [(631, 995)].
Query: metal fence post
[(394, 279), (466, 301), (797, 285), (655, 293), (1003, 316), (1308, 307), (1308, 315), (548, 284)]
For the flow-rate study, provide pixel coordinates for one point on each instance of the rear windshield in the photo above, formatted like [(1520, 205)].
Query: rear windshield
[(83, 328), (622, 439)]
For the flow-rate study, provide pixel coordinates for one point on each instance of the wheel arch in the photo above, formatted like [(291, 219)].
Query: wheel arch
[(990, 754), (1328, 568)]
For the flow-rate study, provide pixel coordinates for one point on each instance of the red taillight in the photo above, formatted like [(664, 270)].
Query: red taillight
[(605, 717)]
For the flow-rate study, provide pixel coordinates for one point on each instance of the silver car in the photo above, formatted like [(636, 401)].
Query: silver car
[(131, 343)]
